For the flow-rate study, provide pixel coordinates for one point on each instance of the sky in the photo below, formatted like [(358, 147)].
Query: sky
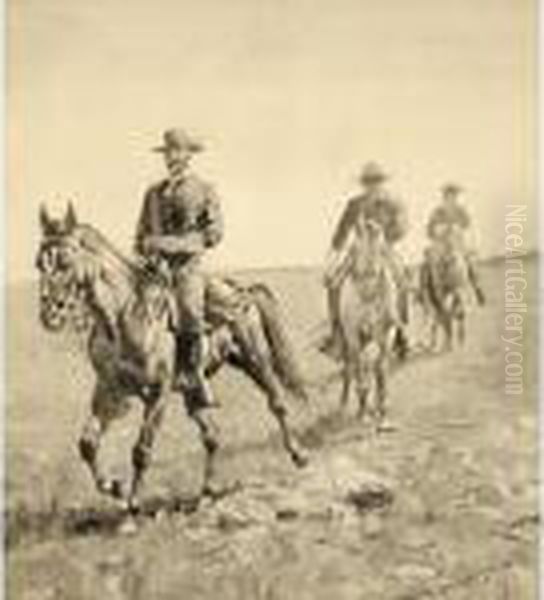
[(291, 97)]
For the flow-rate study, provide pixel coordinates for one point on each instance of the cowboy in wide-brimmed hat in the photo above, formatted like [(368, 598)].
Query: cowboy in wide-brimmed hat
[(180, 220), (448, 224), (372, 173), (451, 189), (376, 204), (180, 140)]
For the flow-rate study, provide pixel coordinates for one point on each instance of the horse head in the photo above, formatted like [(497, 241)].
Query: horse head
[(63, 263), (369, 246), (447, 267)]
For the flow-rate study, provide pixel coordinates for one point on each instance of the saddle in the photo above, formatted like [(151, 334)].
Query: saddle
[(225, 301)]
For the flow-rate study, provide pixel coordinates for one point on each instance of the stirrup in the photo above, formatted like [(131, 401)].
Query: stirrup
[(198, 388), (330, 346)]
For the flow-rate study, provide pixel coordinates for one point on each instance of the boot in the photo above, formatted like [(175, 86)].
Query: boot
[(192, 378), (331, 344), (401, 344)]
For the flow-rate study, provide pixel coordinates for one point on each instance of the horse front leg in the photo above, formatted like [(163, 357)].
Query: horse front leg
[(351, 349), (381, 372), (106, 405), (461, 331), (142, 451), (89, 445), (362, 381), (460, 314), (443, 321)]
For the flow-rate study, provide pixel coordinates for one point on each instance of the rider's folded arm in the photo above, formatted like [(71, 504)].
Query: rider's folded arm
[(189, 243)]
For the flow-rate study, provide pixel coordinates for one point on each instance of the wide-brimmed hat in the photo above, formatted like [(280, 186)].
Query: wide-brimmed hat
[(372, 172), (179, 139), (451, 188)]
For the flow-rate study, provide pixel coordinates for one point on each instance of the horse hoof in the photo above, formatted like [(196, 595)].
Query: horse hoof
[(112, 487), (366, 421), (301, 459), (385, 426), (118, 489), (133, 505), (105, 486), (127, 527), (215, 493)]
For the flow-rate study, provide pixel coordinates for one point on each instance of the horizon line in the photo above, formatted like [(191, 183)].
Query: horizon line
[(490, 258)]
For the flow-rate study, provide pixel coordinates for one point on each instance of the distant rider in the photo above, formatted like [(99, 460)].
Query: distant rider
[(447, 228), (374, 203)]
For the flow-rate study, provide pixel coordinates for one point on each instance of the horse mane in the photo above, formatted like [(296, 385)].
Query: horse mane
[(97, 243)]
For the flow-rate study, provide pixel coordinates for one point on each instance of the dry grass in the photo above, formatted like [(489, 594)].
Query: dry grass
[(462, 463)]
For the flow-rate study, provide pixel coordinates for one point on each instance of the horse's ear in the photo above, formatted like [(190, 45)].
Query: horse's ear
[(70, 220), (45, 221)]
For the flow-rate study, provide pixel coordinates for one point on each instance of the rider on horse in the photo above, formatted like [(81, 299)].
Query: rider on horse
[(446, 229), (180, 220), (376, 204)]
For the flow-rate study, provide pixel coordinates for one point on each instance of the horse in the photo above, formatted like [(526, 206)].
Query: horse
[(132, 345), (368, 319), (444, 279)]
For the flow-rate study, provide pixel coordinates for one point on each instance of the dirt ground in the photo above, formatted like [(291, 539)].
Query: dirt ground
[(454, 513)]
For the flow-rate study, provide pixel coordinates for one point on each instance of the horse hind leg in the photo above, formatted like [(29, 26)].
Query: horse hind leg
[(265, 377), (349, 369), (255, 361), (209, 436), (279, 410)]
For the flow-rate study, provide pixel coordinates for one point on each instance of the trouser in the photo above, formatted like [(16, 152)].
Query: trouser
[(189, 287)]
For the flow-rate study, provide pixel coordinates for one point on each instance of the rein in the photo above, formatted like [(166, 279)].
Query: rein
[(110, 283)]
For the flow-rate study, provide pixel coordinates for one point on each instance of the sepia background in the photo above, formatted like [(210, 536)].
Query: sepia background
[(291, 97)]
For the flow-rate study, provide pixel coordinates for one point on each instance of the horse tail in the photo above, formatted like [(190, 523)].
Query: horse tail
[(283, 355)]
